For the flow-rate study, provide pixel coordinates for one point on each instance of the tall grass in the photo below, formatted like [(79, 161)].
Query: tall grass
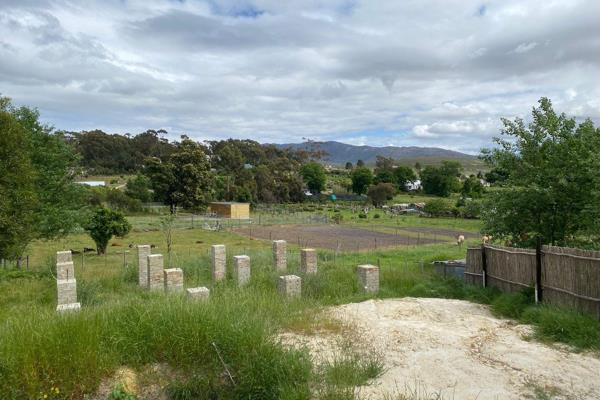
[(121, 324)]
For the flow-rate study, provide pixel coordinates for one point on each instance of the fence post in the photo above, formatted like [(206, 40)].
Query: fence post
[(538, 270), (484, 265)]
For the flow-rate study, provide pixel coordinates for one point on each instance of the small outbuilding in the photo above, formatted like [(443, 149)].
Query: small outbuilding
[(230, 209)]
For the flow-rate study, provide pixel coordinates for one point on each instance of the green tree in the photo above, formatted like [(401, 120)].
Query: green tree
[(360, 163), (17, 185), (139, 188), (104, 224), (349, 165), (380, 193), (184, 180), (402, 176), (362, 178), (472, 187), (443, 180), (314, 175), (552, 190), (51, 205)]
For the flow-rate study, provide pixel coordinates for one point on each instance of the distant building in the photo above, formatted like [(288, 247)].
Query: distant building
[(92, 183), (231, 210), (412, 186)]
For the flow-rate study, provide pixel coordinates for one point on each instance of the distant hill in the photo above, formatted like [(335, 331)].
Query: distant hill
[(340, 153)]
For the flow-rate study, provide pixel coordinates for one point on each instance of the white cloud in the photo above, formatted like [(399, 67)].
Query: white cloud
[(433, 72)]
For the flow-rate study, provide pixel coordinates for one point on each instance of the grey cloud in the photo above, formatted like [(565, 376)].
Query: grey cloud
[(434, 72)]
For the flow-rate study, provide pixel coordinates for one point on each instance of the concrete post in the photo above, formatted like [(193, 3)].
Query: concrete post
[(218, 256), (63, 256), (173, 280), (155, 271), (308, 261), (241, 270), (368, 277), (279, 255), (198, 293), (65, 270), (289, 286), (143, 251)]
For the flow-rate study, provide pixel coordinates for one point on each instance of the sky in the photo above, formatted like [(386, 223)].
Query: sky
[(436, 73)]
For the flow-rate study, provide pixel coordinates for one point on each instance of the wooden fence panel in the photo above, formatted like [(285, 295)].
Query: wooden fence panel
[(474, 268), (571, 278), (510, 269)]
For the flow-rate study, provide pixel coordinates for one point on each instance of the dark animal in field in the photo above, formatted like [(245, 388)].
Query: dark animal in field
[(75, 252), (116, 245), (199, 241), (152, 246), (89, 250)]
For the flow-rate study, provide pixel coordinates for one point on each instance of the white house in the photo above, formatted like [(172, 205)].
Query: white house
[(92, 183), (411, 186)]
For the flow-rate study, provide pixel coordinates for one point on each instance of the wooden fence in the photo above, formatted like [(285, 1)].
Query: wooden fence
[(561, 276)]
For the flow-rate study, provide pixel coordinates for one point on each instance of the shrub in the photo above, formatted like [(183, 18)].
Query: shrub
[(437, 208), (376, 216), (362, 215)]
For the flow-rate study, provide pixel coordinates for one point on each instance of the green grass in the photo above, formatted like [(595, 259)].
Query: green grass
[(122, 325)]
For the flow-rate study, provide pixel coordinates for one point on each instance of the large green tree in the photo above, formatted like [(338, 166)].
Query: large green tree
[(185, 179), (314, 175), (552, 190), (53, 204), (362, 178), (442, 180), (18, 198)]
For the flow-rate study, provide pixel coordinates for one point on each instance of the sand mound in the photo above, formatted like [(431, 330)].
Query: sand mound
[(460, 350)]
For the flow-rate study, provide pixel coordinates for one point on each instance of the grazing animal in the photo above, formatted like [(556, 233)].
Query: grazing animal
[(75, 252), (89, 250), (486, 239), (460, 239)]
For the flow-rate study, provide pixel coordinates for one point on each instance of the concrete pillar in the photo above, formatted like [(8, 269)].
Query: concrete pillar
[(368, 278), (68, 307), (241, 270), (155, 271), (279, 255), (65, 270), (198, 293), (143, 251), (67, 291), (63, 256), (173, 280), (289, 286), (219, 262), (308, 261)]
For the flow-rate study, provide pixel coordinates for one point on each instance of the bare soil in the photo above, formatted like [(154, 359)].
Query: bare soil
[(455, 350), (334, 237)]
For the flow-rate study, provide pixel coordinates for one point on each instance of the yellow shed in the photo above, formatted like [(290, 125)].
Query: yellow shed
[(230, 209)]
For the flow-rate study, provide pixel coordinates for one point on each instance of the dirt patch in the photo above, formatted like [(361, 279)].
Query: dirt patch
[(459, 350), (441, 232), (331, 237)]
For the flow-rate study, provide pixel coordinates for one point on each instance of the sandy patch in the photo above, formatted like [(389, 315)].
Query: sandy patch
[(458, 349)]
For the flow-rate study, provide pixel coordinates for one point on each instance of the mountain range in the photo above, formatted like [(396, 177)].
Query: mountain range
[(339, 153)]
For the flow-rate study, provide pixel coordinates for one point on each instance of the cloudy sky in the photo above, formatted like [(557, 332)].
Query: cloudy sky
[(379, 72)]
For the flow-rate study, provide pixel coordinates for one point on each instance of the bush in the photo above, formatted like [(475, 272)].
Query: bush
[(437, 208), (337, 218), (362, 215), (376, 216)]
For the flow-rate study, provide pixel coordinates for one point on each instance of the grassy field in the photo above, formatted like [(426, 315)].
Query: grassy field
[(67, 356)]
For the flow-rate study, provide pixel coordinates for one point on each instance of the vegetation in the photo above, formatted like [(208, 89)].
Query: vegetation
[(314, 176), (380, 193), (443, 180), (104, 224), (39, 199), (362, 177), (551, 191)]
